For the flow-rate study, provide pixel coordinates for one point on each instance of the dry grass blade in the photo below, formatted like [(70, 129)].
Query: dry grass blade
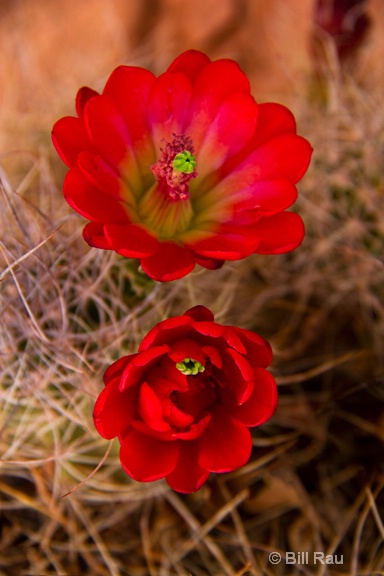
[(26, 501), (26, 255), (199, 530), (91, 474), (321, 368), (208, 526)]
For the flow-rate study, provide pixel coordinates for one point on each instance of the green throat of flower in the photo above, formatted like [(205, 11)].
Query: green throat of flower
[(190, 367)]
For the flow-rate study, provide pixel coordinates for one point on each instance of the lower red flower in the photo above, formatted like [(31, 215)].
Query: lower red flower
[(182, 406)]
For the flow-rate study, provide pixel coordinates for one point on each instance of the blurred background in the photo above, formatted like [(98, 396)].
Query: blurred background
[(315, 480), (51, 47)]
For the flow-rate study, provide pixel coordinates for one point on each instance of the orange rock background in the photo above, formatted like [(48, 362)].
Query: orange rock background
[(51, 47)]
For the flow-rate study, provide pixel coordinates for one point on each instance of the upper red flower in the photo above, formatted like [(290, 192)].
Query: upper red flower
[(182, 405), (183, 169)]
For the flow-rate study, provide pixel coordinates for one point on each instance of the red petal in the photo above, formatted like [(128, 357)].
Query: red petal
[(259, 351), (147, 459), (227, 244), (190, 63), (139, 365), (167, 331), (150, 409), (82, 97), (233, 341), (101, 174), (161, 385), (131, 240), (114, 410), (225, 445), (216, 82), (267, 197), (93, 234), (188, 476), (107, 129), (178, 418), (195, 430), (200, 313), (168, 106), (186, 348), (209, 263), (214, 355), (166, 378), (273, 119), (143, 428), (70, 138), (280, 233), (90, 201), (284, 157), (238, 376), (231, 129), (178, 380), (262, 403), (209, 328), (170, 262), (116, 369), (129, 87), (109, 133), (198, 398)]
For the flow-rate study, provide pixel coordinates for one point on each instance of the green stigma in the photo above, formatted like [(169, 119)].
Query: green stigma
[(190, 367), (184, 162)]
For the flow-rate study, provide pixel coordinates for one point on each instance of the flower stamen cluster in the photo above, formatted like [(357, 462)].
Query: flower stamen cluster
[(175, 168)]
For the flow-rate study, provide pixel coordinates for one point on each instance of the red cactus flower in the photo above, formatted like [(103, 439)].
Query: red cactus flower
[(183, 169), (182, 406)]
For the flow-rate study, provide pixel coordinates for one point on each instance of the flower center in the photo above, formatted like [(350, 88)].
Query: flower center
[(190, 367), (175, 168)]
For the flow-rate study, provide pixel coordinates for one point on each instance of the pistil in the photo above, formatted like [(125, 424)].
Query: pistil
[(190, 367)]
